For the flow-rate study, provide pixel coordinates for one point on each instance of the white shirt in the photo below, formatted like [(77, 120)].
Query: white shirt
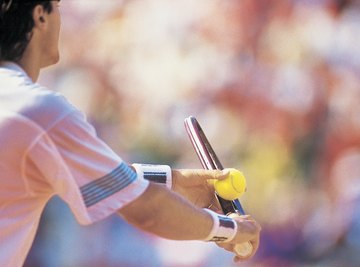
[(47, 148)]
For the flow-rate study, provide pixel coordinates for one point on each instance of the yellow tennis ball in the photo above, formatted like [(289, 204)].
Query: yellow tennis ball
[(231, 187)]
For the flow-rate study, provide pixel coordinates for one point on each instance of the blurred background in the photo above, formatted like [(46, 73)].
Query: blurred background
[(275, 84)]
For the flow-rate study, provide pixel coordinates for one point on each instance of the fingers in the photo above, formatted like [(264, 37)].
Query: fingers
[(222, 175), (255, 245), (248, 231), (215, 206), (237, 258), (193, 177), (197, 185), (247, 226), (207, 174), (196, 176)]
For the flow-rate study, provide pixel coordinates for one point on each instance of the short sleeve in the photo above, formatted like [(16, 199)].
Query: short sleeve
[(79, 167)]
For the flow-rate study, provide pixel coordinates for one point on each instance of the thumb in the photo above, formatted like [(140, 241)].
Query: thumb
[(222, 174), (218, 175)]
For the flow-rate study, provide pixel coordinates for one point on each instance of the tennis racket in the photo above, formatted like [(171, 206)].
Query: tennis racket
[(210, 161)]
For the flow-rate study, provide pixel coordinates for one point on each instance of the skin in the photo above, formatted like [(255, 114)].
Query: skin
[(160, 201), (43, 48), (179, 213)]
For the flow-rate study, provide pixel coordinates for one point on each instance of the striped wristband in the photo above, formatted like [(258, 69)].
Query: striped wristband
[(154, 173), (224, 228)]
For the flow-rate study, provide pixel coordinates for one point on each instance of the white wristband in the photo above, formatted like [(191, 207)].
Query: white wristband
[(154, 173), (224, 228)]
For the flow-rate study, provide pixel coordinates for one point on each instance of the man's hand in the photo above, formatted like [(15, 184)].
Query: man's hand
[(248, 231), (197, 186)]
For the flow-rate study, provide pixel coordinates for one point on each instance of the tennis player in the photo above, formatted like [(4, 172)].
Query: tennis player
[(48, 148)]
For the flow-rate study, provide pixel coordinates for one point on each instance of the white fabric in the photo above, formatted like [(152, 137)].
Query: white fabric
[(223, 230), (47, 148)]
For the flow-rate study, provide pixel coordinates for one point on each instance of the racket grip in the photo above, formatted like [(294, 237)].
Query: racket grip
[(243, 249)]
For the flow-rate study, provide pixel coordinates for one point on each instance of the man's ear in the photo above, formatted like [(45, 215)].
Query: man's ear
[(39, 16)]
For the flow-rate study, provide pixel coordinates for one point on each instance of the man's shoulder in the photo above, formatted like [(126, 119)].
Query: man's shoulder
[(44, 99), (19, 95), (35, 102), (46, 107)]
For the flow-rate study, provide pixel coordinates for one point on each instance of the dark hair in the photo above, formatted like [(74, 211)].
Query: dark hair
[(16, 24)]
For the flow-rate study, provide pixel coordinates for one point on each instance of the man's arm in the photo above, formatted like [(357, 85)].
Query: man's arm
[(168, 215), (163, 213)]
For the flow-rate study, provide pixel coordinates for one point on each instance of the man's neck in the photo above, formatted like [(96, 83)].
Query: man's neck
[(30, 68), (30, 62)]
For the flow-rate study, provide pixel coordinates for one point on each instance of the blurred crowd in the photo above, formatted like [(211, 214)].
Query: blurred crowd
[(275, 85)]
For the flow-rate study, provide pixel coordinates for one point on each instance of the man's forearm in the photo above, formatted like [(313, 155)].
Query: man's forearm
[(166, 214)]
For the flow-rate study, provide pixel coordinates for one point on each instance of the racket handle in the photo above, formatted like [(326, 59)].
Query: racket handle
[(243, 249)]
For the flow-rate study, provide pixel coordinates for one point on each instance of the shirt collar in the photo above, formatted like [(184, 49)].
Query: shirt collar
[(9, 65)]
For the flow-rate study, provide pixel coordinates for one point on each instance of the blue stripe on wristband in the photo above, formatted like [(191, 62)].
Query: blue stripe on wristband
[(157, 177), (154, 173), (226, 222)]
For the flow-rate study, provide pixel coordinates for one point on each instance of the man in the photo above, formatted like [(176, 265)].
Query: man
[(48, 148)]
